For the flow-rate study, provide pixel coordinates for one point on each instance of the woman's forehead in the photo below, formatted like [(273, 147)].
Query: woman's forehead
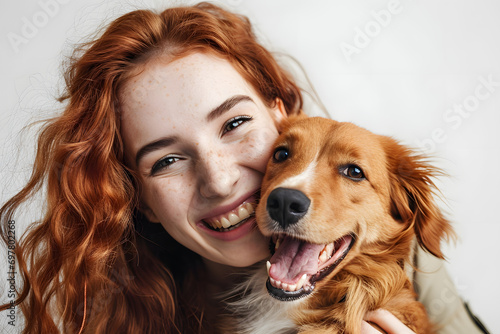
[(198, 79)]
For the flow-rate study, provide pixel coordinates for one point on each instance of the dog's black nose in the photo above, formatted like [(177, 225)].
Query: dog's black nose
[(287, 206)]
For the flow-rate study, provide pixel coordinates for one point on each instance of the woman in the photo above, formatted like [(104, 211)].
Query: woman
[(151, 176)]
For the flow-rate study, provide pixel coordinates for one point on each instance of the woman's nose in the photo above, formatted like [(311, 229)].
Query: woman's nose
[(218, 175)]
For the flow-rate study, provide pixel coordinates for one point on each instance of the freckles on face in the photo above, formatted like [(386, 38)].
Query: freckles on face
[(258, 146), (163, 190)]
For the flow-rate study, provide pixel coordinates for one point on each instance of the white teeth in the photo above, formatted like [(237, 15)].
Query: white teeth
[(273, 282), (233, 219), (286, 286), (243, 213), (277, 244), (268, 265), (249, 207), (323, 257), (301, 281), (225, 223), (329, 250), (326, 254)]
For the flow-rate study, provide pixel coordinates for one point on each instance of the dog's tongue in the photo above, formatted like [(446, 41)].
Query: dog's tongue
[(294, 258)]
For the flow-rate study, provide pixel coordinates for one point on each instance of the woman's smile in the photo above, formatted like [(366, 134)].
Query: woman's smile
[(235, 221)]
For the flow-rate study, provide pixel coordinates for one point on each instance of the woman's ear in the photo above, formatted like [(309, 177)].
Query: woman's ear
[(279, 113), (281, 117)]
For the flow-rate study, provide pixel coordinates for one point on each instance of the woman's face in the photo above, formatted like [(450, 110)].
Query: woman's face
[(199, 136)]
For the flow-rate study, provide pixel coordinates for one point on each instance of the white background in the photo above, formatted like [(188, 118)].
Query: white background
[(407, 75)]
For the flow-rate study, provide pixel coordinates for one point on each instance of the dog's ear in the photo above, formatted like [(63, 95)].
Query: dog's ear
[(413, 197)]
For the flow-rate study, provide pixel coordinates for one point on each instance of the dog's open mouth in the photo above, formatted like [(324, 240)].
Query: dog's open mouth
[(297, 265)]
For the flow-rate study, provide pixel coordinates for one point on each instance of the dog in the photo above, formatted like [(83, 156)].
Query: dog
[(343, 208)]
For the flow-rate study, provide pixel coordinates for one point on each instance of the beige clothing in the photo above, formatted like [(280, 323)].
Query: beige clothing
[(440, 297)]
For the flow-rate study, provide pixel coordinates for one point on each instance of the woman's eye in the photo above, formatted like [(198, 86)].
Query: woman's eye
[(163, 163), (280, 154), (233, 123), (353, 172)]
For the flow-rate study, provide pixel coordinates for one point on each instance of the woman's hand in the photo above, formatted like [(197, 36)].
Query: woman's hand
[(386, 321)]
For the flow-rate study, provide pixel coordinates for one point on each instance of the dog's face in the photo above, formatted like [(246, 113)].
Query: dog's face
[(333, 190)]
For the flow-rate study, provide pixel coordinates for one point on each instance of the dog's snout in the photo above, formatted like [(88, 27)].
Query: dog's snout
[(287, 206)]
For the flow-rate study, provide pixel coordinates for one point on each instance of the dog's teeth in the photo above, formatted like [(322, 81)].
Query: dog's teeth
[(292, 287), (273, 282), (268, 265), (277, 244), (323, 257), (325, 254), (284, 286), (301, 281), (329, 250)]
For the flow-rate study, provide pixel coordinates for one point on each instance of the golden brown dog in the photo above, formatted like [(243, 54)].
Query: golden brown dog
[(343, 207)]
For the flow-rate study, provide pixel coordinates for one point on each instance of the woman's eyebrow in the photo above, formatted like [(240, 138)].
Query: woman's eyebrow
[(226, 106), (153, 146)]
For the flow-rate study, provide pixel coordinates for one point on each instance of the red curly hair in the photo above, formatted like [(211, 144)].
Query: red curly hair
[(93, 264)]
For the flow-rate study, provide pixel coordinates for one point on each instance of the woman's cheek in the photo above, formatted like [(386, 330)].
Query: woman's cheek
[(162, 196), (256, 147)]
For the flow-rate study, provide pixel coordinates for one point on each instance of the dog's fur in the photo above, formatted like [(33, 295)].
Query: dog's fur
[(385, 212)]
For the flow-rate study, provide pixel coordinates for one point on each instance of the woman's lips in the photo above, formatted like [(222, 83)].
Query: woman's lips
[(249, 197), (236, 233), (232, 221)]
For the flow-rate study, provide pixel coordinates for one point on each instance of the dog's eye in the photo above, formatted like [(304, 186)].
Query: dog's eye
[(353, 172), (281, 154)]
